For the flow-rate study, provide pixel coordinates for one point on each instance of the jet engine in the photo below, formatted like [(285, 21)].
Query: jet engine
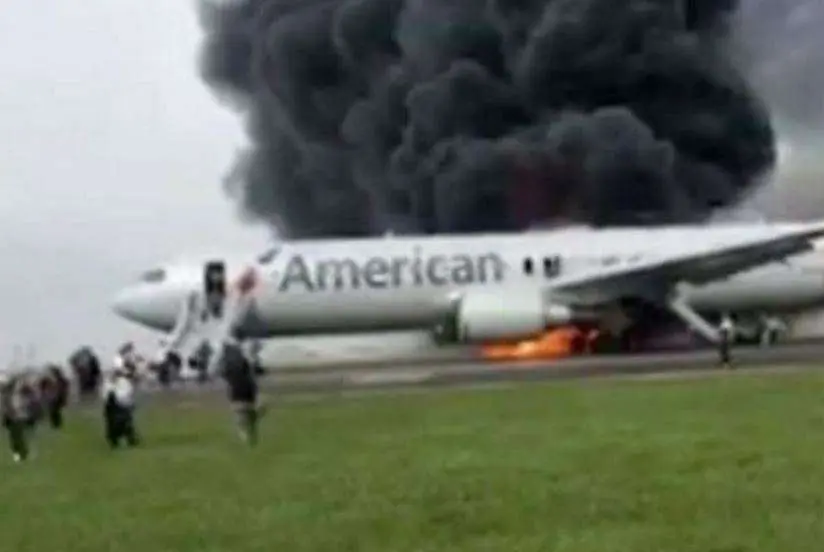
[(498, 315)]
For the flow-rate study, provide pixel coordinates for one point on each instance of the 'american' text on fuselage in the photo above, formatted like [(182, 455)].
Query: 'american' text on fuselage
[(416, 269)]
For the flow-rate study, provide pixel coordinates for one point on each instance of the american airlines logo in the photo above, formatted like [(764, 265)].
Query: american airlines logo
[(386, 272)]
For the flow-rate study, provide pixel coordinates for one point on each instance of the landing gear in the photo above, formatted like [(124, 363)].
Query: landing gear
[(693, 320), (771, 329), (768, 337)]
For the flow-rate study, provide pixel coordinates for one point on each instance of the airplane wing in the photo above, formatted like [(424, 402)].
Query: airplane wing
[(652, 277)]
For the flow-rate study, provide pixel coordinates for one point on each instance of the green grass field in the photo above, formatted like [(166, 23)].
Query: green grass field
[(724, 464)]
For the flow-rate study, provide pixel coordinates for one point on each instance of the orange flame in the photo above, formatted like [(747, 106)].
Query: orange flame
[(556, 343)]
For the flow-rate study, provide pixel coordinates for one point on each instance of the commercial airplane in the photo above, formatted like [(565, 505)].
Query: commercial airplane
[(492, 287)]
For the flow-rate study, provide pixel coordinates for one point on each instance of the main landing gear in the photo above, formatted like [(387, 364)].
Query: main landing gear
[(679, 307), (771, 330), (766, 331)]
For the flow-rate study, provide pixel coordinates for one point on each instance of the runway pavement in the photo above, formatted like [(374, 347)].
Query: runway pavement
[(465, 373), (337, 379)]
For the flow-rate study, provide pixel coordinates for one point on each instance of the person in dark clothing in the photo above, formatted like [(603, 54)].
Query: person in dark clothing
[(118, 409), (175, 363), (200, 359), (239, 374), (30, 397), (61, 396), (166, 368), (54, 394), (15, 413), (161, 371), (86, 367), (119, 423), (95, 373), (111, 428)]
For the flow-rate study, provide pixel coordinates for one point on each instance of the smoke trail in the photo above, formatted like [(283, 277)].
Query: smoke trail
[(471, 115)]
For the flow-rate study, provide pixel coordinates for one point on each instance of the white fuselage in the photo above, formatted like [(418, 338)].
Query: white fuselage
[(411, 282)]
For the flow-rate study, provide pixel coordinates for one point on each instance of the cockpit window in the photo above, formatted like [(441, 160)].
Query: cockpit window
[(268, 256), (153, 276)]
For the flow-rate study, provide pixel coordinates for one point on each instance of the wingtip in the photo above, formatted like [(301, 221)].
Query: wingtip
[(814, 231), (817, 226)]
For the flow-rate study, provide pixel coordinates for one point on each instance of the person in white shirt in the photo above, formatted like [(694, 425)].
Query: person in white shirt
[(727, 337), (127, 359), (118, 409)]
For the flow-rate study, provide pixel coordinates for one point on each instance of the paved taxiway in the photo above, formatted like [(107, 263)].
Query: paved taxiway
[(411, 374), (473, 372)]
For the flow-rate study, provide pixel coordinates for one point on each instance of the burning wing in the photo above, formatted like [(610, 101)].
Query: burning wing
[(653, 277)]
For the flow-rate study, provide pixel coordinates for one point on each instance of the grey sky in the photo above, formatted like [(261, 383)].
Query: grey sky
[(112, 156)]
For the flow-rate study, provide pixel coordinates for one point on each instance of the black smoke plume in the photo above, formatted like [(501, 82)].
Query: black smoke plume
[(476, 115)]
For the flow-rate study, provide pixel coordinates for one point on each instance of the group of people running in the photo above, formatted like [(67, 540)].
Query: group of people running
[(30, 397)]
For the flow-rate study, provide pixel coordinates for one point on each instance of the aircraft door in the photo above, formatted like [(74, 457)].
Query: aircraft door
[(214, 287)]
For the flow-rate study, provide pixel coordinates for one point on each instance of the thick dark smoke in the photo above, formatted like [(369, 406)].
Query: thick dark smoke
[(472, 115)]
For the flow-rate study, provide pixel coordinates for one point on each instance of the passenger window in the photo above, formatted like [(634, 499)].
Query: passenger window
[(528, 266), (552, 266), (153, 276)]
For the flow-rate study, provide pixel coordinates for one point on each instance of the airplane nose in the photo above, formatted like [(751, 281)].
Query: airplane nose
[(154, 306), (128, 304)]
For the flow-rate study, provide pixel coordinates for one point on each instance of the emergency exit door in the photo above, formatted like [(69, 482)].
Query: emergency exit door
[(214, 287)]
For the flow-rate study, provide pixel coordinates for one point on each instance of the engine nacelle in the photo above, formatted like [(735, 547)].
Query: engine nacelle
[(495, 315)]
